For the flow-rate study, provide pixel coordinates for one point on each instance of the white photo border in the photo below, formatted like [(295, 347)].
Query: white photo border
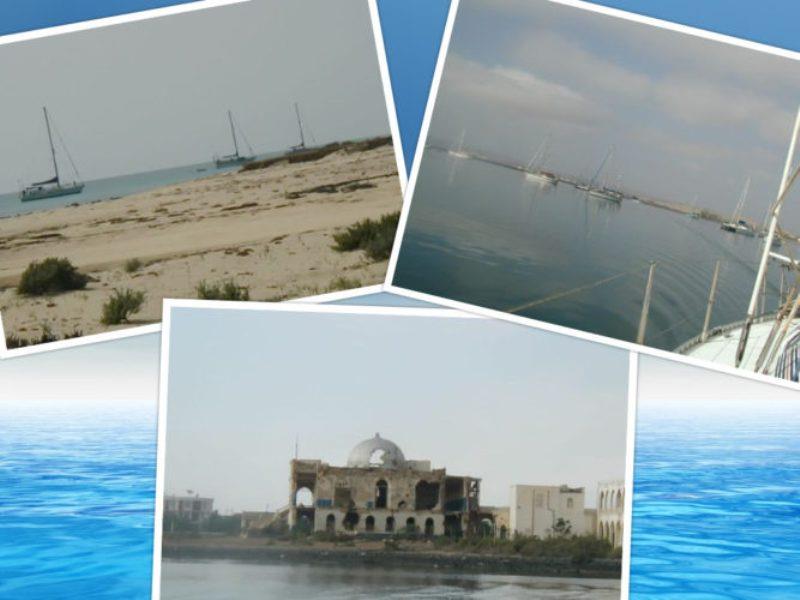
[(380, 50), (308, 306), (389, 285)]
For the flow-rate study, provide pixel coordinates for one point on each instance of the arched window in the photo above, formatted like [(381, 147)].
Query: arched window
[(389, 524), (369, 523), (602, 503), (570, 503), (381, 494), (619, 500), (304, 497), (428, 527), (330, 523), (411, 525)]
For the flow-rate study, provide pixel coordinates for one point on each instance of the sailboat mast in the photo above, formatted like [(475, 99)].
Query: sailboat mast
[(742, 198), (50, 138), (768, 239), (233, 134), (300, 125)]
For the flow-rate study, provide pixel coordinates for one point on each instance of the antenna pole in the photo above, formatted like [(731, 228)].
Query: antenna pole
[(300, 125), (50, 138), (768, 239), (233, 133)]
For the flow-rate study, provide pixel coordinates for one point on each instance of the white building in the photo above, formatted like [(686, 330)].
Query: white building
[(543, 510), (611, 511), (191, 508)]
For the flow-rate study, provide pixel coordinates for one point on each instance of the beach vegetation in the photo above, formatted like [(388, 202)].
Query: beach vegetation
[(15, 341), (121, 305), (343, 283), (132, 265), (51, 276), (223, 290), (374, 237)]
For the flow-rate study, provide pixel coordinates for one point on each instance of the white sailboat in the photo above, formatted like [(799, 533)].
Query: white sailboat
[(766, 343), (736, 224), (459, 152), (302, 145), (53, 187), (534, 169), (232, 160), (602, 191)]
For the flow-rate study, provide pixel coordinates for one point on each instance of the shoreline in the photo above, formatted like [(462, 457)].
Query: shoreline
[(268, 229), (423, 560)]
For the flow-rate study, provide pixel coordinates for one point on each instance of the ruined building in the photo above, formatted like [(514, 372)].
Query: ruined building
[(381, 492)]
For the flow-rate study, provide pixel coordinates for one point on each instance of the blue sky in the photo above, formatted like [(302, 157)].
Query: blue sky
[(687, 116), (486, 398)]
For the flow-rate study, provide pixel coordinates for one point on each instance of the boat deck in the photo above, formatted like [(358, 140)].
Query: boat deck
[(721, 347)]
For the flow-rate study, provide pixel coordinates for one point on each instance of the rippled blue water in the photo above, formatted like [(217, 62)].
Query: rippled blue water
[(717, 503), (77, 487)]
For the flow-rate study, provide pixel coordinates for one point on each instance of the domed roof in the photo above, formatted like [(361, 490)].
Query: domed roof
[(376, 452)]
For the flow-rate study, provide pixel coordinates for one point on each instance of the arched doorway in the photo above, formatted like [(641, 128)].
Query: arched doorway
[(350, 521), (369, 523), (389, 524), (330, 524), (411, 525), (429, 527)]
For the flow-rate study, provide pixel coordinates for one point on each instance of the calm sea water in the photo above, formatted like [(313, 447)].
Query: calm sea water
[(482, 234), (77, 485), (114, 187), (717, 503), (217, 580)]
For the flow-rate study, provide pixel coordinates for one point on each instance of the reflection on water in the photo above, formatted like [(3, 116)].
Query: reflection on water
[(223, 579), (717, 503), (486, 235)]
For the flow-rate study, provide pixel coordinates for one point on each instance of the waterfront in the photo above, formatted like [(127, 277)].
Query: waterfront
[(483, 234), (224, 579)]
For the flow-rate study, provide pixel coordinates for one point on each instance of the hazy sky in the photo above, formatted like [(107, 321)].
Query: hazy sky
[(154, 94), (124, 370), (485, 398), (687, 116), (670, 387)]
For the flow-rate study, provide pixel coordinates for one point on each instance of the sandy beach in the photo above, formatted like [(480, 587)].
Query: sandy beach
[(267, 229)]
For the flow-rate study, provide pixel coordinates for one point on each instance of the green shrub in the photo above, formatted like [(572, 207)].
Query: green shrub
[(225, 290), (121, 305), (343, 283), (373, 237), (133, 265), (50, 276)]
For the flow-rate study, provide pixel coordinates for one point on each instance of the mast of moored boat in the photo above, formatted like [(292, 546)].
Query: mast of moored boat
[(786, 182), (300, 126), (233, 133), (52, 146)]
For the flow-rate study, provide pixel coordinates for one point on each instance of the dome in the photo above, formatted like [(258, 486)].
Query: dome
[(376, 452)]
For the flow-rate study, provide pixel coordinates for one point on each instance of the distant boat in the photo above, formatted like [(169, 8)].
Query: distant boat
[(602, 191), (232, 160), (302, 145), (534, 169), (53, 187), (459, 152), (736, 224)]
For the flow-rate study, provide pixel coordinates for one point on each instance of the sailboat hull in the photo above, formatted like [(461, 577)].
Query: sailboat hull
[(233, 161), (54, 191)]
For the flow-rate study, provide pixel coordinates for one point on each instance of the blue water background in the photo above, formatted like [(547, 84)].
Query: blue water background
[(717, 502), (77, 489)]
